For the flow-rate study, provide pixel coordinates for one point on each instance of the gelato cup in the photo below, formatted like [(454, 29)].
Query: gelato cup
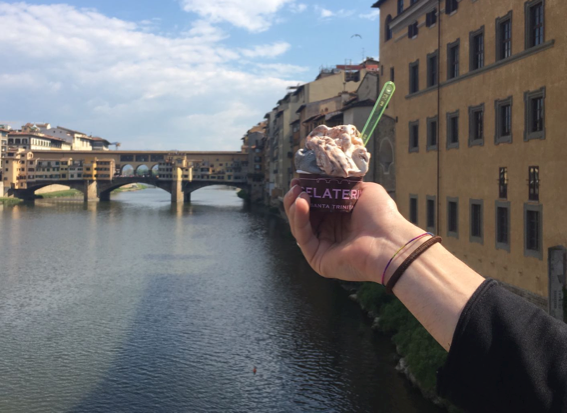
[(329, 193), (331, 167)]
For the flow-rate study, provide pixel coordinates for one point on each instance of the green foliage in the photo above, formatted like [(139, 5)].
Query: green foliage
[(372, 296), (243, 194), (10, 201), (424, 356)]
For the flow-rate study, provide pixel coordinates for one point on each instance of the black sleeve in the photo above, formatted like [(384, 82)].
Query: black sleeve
[(507, 355)]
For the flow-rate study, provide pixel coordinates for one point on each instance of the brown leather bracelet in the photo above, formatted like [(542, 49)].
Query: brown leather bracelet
[(407, 262)]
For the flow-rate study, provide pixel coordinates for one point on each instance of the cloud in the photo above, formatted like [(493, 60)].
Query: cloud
[(270, 50), (106, 76), (372, 15), (328, 14), (297, 8), (252, 15)]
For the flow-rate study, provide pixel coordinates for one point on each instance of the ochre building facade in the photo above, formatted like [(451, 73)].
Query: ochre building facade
[(480, 135)]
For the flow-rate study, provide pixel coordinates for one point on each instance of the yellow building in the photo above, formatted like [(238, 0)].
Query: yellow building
[(480, 136)]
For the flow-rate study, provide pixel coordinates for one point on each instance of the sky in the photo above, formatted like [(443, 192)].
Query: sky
[(170, 74)]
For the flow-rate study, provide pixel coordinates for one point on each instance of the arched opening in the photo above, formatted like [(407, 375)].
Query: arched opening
[(127, 170), (55, 191), (388, 32), (142, 170), (218, 195), (155, 170)]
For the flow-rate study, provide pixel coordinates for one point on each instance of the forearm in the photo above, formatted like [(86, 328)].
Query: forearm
[(435, 288)]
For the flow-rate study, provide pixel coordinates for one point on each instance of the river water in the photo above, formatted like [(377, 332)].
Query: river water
[(136, 305)]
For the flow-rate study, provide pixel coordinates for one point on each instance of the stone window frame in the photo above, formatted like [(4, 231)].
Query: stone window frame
[(416, 197), (430, 147), (528, 96), (411, 66), (499, 21), (532, 253), (434, 55), (498, 104), (502, 245), (450, 116), (472, 111), (410, 134), (429, 228), (527, 17), (472, 35), (450, 46), (454, 234), (477, 239)]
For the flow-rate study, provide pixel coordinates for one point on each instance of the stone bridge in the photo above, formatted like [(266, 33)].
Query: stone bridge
[(100, 190)]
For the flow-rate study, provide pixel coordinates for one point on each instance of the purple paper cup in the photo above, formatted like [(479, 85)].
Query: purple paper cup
[(331, 194)]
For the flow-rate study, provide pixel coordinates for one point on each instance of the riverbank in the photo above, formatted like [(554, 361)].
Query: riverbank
[(69, 193), (130, 188), (10, 201), (420, 355)]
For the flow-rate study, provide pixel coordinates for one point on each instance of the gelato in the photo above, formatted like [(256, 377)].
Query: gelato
[(336, 152), (331, 167)]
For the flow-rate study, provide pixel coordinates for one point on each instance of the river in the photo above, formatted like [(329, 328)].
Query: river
[(137, 305)]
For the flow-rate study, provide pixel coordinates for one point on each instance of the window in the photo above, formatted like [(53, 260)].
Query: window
[(533, 226), (392, 73), (535, 29), (503, 183), (453, 217), (503, 129), (533, 183), (453, 130), (414, 136), (451, 6), (413, 2), (504, 37), (476, 233), (476, 125), (431, 18), (432, 134), (414, 77), (432, 68), (430, 214), (412, 30), (503, 225), (477, 49), (400, 6), (453, 50), (388, 34), (535, 114), (413, 209)]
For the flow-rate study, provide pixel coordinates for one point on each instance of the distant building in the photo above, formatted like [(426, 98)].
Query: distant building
[(79, 141), (480, 151)]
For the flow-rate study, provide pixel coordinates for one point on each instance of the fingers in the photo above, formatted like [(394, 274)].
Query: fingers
[(302, 229), (290, 198)]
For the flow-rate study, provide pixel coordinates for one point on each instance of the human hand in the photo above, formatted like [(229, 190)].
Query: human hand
[(351, 247)]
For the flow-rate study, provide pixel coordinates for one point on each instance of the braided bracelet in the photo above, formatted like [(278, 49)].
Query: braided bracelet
[(400, 250), (411, 258)]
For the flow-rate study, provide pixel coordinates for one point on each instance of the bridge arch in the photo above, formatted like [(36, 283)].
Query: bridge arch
[(29, 192), (142, 170), (125, 168)]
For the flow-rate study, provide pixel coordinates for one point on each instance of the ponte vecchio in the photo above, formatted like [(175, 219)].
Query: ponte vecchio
[(98, 173)]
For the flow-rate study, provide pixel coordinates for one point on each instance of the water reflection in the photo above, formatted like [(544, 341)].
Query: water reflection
[(139, 305)]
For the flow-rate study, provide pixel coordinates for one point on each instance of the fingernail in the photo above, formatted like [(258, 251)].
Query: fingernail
[(296, 190), (304, 196)]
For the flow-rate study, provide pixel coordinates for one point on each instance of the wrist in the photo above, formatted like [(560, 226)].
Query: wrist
[(389, 245)]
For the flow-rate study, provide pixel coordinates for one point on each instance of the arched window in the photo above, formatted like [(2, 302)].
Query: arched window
[(388, 30)]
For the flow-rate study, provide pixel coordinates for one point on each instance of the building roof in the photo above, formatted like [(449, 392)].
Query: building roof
[(379, 3), (294, 122), (37, 135), (72, 131), (359, 104), (300, 108)]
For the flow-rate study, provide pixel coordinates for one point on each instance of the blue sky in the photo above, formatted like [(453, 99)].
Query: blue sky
[(170, 74)]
